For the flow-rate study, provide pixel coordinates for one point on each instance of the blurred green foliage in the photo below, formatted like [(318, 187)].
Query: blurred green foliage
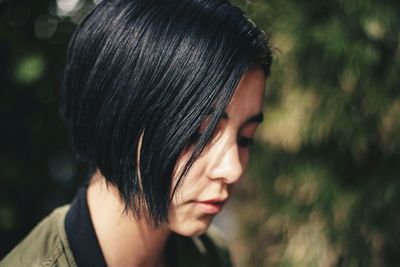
[(29, 69), (326, 167), (328, 162)]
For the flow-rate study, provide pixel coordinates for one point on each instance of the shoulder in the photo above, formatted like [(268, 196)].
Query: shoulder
[(46, 244), (209, 249)]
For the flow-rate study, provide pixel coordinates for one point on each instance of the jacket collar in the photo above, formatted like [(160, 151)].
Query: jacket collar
[(81, 235)]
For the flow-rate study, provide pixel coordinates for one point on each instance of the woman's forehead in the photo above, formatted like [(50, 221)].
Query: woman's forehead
[(248, 98)]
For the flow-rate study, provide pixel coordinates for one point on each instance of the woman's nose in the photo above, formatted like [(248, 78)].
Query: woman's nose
[(226, 165)]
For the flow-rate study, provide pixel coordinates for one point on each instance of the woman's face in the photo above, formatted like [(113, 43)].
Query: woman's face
[(207, 186)]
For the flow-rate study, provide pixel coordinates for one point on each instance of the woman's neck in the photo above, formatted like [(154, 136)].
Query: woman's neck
[(124, 240)]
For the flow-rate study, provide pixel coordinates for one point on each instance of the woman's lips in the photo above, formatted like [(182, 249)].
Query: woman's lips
[(210, 207)]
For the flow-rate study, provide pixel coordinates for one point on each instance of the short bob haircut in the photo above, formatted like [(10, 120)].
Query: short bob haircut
[(141, 76)]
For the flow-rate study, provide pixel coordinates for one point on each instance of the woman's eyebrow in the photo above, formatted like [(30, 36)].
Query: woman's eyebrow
[(257, 118)]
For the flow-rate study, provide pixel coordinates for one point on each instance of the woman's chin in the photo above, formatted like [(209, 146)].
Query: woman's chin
[(192, 229)]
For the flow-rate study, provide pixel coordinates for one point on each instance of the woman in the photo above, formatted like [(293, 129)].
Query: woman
[(161, 99)]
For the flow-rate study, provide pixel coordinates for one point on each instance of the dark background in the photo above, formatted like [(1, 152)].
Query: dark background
[(323, 185), (37, 170)]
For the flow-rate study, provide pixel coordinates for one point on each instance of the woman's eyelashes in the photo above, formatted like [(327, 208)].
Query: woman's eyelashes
[(244, 142)]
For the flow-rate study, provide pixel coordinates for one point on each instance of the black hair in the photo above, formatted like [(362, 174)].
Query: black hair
[(148, 72)]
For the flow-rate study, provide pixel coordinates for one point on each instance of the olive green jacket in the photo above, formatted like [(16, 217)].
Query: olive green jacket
[(47, 245)]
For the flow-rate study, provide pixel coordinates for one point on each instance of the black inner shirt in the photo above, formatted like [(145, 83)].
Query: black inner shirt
[(80, 232), (82, 237)]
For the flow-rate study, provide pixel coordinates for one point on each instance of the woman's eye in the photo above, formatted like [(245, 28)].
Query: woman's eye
[(244, 141)]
